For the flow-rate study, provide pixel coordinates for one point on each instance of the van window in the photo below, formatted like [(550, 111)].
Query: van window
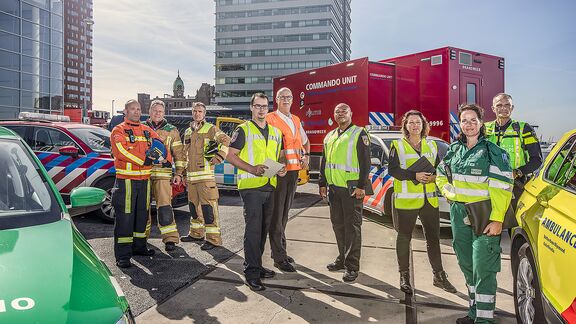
[(562, 170)]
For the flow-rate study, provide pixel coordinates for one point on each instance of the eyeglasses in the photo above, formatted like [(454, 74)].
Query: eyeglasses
[(284, 98), (260, 107)]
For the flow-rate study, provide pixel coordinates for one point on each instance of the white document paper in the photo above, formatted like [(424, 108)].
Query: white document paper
[(273, 168)]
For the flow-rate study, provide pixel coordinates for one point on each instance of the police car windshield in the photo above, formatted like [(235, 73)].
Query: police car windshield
[(98, 139), (23, 191)]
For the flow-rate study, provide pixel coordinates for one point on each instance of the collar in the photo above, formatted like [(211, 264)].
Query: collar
[(155, 126), (131, 123), (281, 114)]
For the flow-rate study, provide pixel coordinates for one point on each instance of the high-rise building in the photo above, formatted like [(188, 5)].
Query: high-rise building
[(31, 42), (77, 48), (257, 40)]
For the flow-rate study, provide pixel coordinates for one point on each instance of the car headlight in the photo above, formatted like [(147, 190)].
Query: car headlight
[(126, 318)]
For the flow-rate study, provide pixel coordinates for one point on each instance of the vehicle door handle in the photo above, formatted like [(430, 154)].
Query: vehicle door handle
[(544, 203)]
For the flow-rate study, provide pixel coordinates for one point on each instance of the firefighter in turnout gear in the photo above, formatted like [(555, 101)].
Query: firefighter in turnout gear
[(476, 170), (518, 139), (161, 176), (131, 144), (202, 189)]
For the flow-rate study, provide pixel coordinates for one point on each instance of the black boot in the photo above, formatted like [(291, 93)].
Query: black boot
[(405, 283), (441, 281)]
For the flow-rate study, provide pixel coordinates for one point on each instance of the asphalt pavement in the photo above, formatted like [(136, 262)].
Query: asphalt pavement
[(154, 279)]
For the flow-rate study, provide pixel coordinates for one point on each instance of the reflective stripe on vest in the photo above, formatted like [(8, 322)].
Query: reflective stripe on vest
[(408, 195), (341, 156), (292, 141), (255, 151), (510, 141)]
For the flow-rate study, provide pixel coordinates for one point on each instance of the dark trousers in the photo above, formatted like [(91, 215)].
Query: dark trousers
[(346, 217), (283, 197), (131, 201), (258, 207), (430, 218)]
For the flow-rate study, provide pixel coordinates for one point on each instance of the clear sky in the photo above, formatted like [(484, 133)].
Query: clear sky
[(140, 45)]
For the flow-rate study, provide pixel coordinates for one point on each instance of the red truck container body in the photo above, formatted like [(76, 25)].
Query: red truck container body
[(435, 82)]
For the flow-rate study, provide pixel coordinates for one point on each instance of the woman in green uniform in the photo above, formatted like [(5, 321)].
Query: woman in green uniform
[(474, 171)]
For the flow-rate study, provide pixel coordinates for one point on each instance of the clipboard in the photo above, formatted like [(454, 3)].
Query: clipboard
[(422, 165)]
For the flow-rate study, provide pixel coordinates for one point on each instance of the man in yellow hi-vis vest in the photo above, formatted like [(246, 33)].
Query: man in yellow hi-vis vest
[(345, 159), (254, 142), (518, 139)]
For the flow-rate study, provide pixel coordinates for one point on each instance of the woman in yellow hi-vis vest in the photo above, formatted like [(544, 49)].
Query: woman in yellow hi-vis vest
[(415, 196)]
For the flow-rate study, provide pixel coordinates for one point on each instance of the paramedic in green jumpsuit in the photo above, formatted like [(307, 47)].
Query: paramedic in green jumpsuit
[(474, 170)]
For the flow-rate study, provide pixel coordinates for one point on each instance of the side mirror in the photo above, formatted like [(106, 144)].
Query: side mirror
[(69, 151), (375, 162), (85, 199)]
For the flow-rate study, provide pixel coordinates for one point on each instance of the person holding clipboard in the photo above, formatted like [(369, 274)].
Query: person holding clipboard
[(412, 164)]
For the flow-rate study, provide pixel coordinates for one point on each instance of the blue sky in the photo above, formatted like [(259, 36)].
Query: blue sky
[(140, 48)]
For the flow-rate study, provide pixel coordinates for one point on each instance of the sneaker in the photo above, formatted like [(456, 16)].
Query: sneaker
[(405, 283), (441, 281), (335, 266), (465, 320), (266, 273), (170, 246), (350, 275), (189, 238)]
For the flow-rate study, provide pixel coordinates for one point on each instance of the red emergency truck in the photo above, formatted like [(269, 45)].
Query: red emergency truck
[(435, 82)]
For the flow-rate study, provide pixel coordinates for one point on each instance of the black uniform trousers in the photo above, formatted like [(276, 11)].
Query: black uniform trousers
[(258, 208), (430, 219), (346, 217), (283, 197), (131, 201)]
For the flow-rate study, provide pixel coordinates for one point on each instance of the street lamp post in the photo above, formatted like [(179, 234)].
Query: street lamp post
[(87, 23)]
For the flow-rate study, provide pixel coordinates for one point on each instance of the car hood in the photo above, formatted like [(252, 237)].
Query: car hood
[(50, 272)]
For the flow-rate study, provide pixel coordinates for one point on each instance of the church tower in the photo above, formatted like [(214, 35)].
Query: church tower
[(178, 87)]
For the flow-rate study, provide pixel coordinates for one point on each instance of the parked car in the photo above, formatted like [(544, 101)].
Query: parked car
[(75, 155), (543, 250), (48, 270), (382, 183)]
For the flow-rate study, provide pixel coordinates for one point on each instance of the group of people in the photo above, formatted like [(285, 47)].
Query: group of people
[(489, 162), (486, 166)]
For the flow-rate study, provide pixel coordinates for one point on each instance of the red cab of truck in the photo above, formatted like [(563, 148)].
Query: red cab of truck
[(435, 82)]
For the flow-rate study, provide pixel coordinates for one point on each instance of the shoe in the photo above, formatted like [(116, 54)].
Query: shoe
[(335, 266), (124, 263), (207, 246), (350, 275), (465, 320), (405, 283), (441, 281), (289, 259), (144, 252), (267, 273), (255, 284), (285, 266), (170, 246), (189, 238)]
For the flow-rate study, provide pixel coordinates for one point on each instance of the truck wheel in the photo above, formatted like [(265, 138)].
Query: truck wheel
[(106, 211), (527, 292)]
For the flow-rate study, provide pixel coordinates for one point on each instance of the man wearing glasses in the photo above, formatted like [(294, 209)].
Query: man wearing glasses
[(296, 150), (253, 142)]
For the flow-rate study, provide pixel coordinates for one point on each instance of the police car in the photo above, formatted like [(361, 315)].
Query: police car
[(48, 271), (543, 250), (75, 155), (382, 183)]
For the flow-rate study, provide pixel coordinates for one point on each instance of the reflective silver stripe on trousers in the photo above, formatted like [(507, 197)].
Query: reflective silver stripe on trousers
[(484, 313), (481, 298)]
